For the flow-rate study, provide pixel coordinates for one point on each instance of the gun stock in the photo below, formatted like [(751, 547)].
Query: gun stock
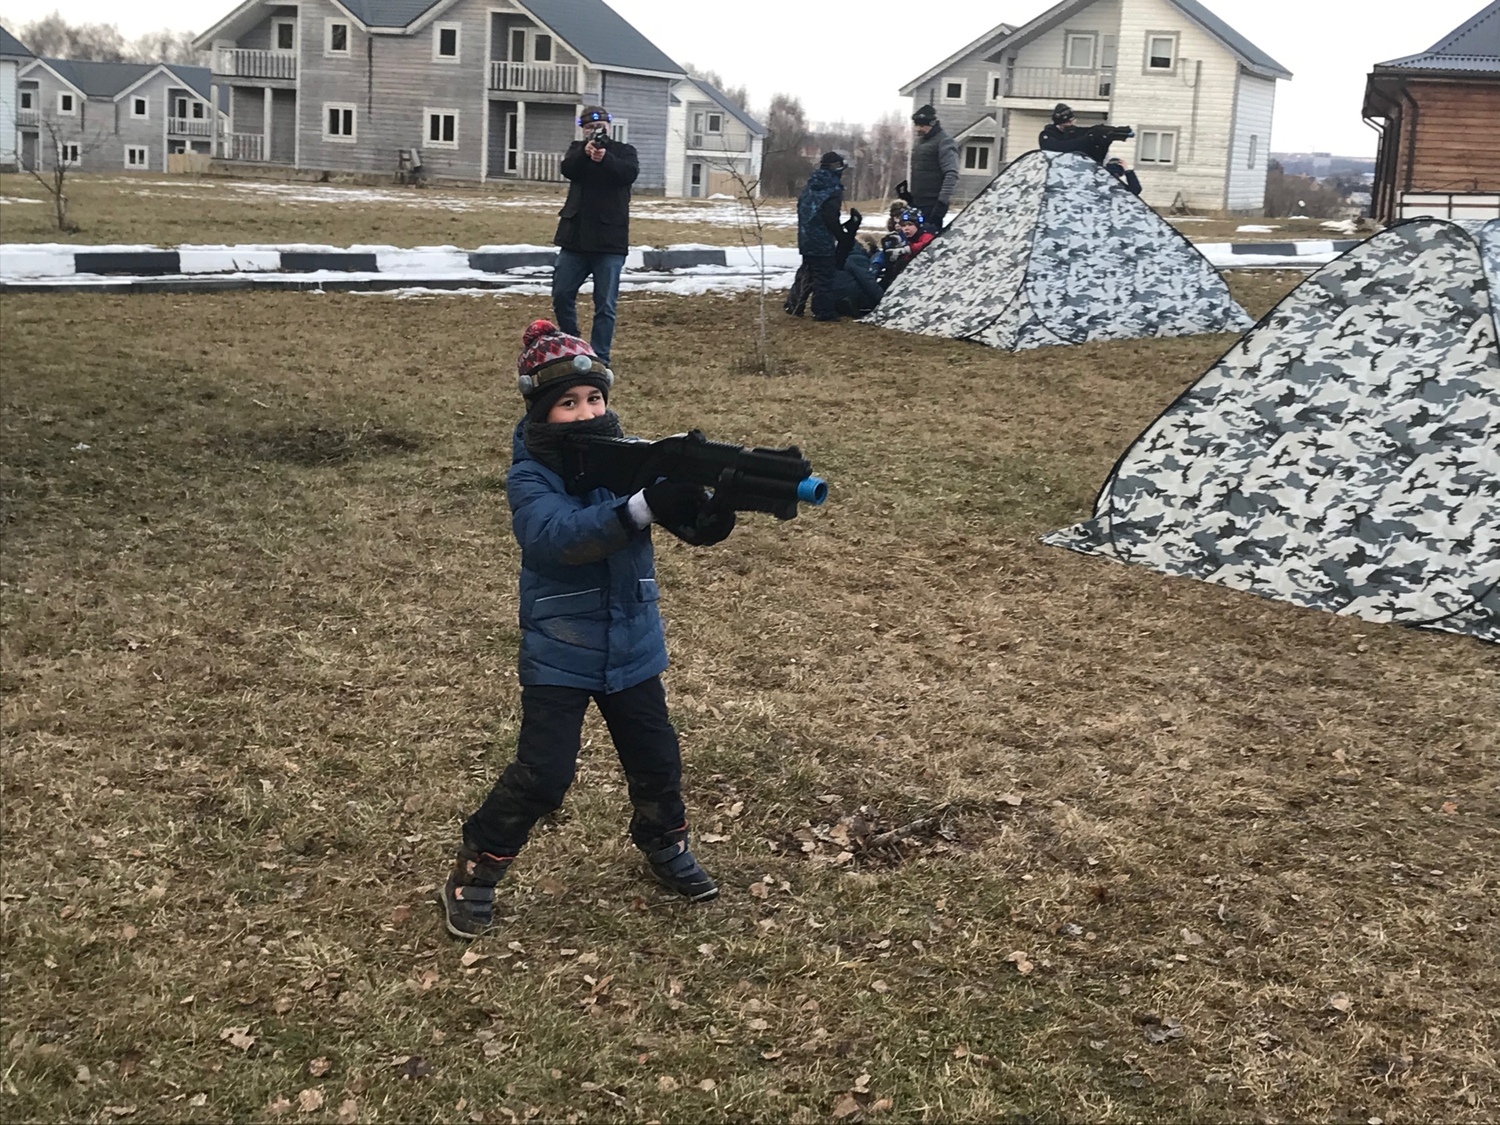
[(747, 480)]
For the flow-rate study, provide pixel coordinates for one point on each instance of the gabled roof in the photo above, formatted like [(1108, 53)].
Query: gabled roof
[(1251, 56), (198, 79), (985, 42), (1473, 46), (601, 35), (388, 13), (384, 17), (729, 107), (110, 80), (10, 45)]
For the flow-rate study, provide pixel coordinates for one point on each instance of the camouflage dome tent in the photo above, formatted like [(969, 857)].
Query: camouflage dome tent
[(1345, 455), (1055, 251)]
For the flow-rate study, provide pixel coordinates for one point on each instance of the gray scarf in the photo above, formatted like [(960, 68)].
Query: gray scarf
[(544, 440)]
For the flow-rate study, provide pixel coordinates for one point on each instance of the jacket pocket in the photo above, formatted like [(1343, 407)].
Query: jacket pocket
[(647, 591), (568, 605)]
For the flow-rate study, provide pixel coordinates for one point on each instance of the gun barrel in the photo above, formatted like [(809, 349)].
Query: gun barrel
[(812, 490)]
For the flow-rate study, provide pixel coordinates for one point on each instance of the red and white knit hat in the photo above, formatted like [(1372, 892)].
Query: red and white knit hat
[(551, 361)]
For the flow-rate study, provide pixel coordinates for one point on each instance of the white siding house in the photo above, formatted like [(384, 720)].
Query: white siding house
[(1199, 95), (13, 55), (712, 143)]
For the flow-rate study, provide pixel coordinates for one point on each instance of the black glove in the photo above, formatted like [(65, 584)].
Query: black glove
[(851, 224), (935, 215), (675, 503), (903, 192), (711, 525)]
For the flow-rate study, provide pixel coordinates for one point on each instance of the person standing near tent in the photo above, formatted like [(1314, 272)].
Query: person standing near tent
[(1126, 175), (593, 228), (818, 231), (1064, 135), (934, 167), (855, 290)]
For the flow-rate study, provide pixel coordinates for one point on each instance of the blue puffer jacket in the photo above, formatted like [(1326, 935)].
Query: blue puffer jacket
[(818, 214), (588, 586)]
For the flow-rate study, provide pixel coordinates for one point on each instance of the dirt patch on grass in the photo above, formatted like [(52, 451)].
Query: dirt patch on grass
[(245, 705), (313, 445)]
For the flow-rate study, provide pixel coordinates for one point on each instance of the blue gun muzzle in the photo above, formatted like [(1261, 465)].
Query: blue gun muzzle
[(812, 490)]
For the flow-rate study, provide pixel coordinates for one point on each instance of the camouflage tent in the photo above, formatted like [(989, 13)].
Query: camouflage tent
[(1055, 251), (1345, 455)]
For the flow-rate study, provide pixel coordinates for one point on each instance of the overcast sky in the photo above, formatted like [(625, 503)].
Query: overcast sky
[(846, 61)]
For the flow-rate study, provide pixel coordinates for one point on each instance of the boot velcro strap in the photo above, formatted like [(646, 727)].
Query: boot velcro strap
[(474, 892)]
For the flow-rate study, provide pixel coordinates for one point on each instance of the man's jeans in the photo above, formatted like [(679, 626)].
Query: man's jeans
[(547, 757), (568, 275)]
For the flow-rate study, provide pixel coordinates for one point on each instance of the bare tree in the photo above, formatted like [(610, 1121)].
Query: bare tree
[(169, 47), (52, 36), (66, 155), (783, 168)]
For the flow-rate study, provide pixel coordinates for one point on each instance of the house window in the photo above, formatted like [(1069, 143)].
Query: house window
[(1161, 52), (67, 105), (338, 121), (619, 129), (1078, 50), (336, 37), (1156, 146), (140, 108), (953, 89), (695, 180), (541, 49), (442, 128), (198, 111), (67, 152), (976, 158), (284, 34), (137, 156), (1254, 150), (714, 123), (26, 99), (445, 42), (997, 87)]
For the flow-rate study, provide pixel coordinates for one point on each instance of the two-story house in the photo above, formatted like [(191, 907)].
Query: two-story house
[(1198, 94), (712, 144), (1439, 110), (13, 56), (100, 115), (480, 89)]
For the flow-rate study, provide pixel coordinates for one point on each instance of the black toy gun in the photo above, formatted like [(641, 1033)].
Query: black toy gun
[(743, 480), (1113, 132), (598, 136)]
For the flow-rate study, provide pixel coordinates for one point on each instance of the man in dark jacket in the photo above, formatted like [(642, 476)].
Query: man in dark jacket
[(1064, 135), (934, 167), (818, 231), (593, 229)]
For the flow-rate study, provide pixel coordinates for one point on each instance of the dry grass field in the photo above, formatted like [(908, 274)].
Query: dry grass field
[(162, 210), (1004, 833)]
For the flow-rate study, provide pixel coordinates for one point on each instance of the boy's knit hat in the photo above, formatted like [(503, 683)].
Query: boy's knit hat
[(551, 361)]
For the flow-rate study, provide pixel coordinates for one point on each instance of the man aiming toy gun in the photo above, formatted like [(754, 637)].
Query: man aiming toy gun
[(1064, 135)]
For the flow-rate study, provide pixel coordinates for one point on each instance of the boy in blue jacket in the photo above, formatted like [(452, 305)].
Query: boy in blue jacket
[(589, 630)]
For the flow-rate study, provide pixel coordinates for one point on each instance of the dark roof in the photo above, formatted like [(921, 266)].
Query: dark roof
[(388, 13), (10, 45), (107, 80), (600, 34), (1472, 46), (733, 110), (1232, 38)]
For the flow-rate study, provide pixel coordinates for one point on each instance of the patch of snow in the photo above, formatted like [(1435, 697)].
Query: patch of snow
[(1255, 229), (4, 199)]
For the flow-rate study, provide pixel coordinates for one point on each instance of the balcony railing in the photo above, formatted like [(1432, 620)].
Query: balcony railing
[(234, 62), (190, 126), (242, 146), (28, 117), (545, 166), (1054, 83), (535, 78), (719, 142)]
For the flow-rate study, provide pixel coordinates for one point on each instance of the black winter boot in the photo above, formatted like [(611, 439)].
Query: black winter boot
[(469, 894), (676, 869)]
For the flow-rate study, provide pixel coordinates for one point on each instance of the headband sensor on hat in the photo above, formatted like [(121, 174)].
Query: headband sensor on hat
[(534, 381), (594, 117)]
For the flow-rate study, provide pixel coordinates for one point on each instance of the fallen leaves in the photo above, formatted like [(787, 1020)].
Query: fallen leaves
[(1340, 1002), (411, 1067), (237, 1037), (319, 1066), (1159, 1030), (310, 1100), (1021, 961)]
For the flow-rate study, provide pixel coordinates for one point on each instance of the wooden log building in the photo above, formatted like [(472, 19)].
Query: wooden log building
[(1437, 113)]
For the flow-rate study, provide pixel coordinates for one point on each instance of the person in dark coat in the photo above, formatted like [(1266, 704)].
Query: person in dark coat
[(590, 630), (1127, 177), (818, 231), (934, 167), (1064, 135), (593, 229), (855, 290)]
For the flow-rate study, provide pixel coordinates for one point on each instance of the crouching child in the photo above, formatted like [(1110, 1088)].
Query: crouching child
[(590, 630)]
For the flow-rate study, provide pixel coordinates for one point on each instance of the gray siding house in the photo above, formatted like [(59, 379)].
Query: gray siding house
[(713, 146), (480, 89), (104, 116), (1198, 93), (13, 55)]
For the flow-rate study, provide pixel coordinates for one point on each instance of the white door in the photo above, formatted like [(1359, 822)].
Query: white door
[(695, 181), (512, 143)]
